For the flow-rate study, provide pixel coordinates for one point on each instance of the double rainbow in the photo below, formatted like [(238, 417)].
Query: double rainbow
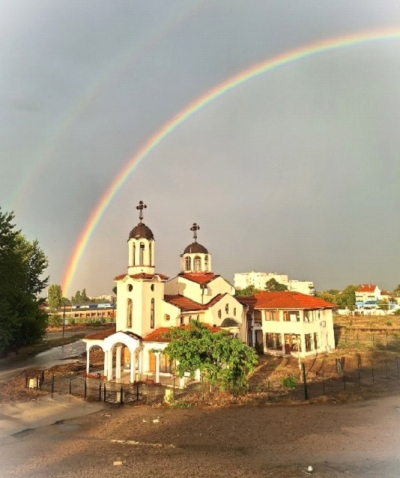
[(191, 109)]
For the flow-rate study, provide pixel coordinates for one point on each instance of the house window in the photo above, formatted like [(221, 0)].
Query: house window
[(152, 287), (129, 287), (133, 254), (308, 342), (197, 264), (206, 266), (129, 314), (273, 341), (188, 263), (227, 308), (234, 311), (167, 317), (219, 313), (190, 318), (182, 320), (150, 249), (152, 314), (141, 261)]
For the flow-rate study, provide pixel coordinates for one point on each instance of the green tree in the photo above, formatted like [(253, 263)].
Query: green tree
[(396, 291), (223, 360), (77, 298), (22, 264), (54, 296), (274, 286), (328, 296), (85, 299), (383, 304), (247, 291), (347, 297)]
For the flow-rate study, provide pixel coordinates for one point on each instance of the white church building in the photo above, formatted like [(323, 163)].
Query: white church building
[(148, 304)]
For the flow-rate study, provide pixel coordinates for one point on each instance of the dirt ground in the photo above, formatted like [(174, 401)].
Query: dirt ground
[(346, 440)]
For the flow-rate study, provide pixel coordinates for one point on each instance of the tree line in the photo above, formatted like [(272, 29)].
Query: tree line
[(23, 320)]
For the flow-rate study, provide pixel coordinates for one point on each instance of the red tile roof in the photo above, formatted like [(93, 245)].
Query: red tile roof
[(187, 305), (141, 276), (102, 334), (366, 288), (285, 300), (162, 334), (199, 277)]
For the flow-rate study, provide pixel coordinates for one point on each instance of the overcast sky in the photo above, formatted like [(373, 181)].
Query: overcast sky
[(295, 171)]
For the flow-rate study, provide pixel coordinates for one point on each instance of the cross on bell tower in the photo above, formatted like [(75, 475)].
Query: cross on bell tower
[(140, 209), (195, 228)]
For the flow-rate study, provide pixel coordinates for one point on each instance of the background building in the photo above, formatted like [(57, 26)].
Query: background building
[(259, 279)]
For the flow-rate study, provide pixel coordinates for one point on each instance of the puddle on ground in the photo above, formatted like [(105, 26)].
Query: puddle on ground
[(23, 433)]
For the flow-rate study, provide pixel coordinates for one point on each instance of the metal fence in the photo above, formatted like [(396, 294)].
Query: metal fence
[(99, 390)]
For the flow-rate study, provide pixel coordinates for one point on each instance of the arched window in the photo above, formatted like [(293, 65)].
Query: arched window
[(133, 254), (219, 313), (150, 249), (197, 264), (234, 311), (188, 263), (129, 314), (152, 314), (206, 266), (227, 308), (141, 260)]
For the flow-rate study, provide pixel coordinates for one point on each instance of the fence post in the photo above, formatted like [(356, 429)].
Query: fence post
[(99, 392), (42, 377), (121, 398), (344, 381), (26, 379), (398, 371), (386, 338), (137, 391), (386, 368), (303, 369), (70, 386), (85, 388), (372, 372), (147, 393), (323, 384), (105, 393), (268, 391), (359, 375), (52, 386)]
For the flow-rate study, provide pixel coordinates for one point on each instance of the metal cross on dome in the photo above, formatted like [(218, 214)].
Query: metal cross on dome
[(195, 228), (140, 209)]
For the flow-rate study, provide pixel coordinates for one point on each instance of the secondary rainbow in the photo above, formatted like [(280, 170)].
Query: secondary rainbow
[(196, 105)]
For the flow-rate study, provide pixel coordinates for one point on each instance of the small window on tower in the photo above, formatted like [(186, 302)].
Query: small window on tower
[(141, 261), (227, 308), (206, 266), (197, 264), (188, 263), (129, 287)]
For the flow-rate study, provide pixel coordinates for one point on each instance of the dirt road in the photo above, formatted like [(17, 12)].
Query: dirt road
[(352, 440)]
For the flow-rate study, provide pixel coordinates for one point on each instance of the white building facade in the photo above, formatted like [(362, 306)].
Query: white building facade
[(259, 280), (148, 304)]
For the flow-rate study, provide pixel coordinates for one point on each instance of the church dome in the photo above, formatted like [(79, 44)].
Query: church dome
[(195, 248), (141, 231)]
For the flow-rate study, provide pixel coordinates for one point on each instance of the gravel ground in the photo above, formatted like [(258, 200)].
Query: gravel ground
[(345, 440)]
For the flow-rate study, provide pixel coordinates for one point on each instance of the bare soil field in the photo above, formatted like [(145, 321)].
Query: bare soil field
[(344, 440)]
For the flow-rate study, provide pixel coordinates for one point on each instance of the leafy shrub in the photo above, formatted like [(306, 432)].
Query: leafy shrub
[(71, 321), (388, 323), (55, 320), (290, 381)]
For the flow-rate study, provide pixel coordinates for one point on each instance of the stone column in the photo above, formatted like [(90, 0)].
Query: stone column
[(118, 363), (157, 354), (133, 366), (105, 363), (140, 365), (87, 360), (110, 365), (303, 343)]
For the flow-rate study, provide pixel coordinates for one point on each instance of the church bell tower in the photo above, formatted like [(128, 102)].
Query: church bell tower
[(141, 247)]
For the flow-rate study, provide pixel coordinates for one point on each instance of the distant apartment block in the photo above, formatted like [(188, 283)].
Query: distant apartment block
[(259, 279)]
